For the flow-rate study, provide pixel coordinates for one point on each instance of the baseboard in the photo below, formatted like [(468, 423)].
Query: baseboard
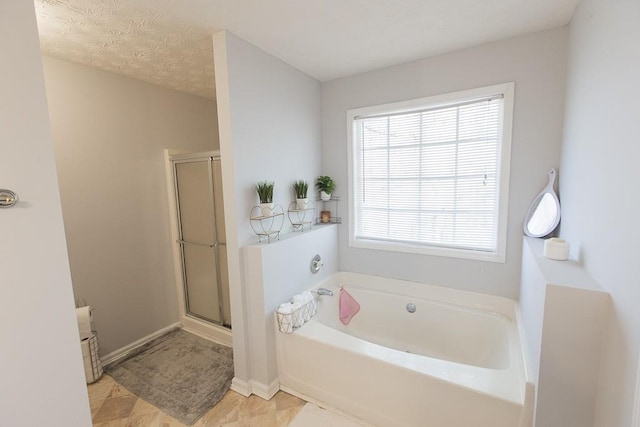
[(265, 391), (241, 386), (207, 331), (114, 356), (247, 388)]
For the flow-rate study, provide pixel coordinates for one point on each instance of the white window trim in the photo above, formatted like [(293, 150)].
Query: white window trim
[(507, 91)]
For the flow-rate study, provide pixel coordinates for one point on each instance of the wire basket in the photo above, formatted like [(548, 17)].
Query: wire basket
[(289, 321), (92, 364)]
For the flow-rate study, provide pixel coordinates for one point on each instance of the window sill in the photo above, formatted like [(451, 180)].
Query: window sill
[(497, 256)]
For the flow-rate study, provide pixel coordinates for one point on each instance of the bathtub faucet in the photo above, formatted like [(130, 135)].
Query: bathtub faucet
[(324, 291)]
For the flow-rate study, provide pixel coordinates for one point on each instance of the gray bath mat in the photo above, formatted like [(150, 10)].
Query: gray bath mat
[(180, 373)]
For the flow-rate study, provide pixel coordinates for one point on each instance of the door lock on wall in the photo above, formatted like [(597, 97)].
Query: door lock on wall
[(7, 198)]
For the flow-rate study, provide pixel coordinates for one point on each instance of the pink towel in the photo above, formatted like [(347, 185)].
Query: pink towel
[(349, 307)]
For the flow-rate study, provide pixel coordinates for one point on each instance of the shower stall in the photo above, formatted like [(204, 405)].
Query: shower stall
[(201, 244)]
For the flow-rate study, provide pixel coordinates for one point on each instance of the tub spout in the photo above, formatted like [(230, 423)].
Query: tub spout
[(324, 291)]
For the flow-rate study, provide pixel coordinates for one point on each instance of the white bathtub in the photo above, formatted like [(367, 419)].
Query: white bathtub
[(456, 362)]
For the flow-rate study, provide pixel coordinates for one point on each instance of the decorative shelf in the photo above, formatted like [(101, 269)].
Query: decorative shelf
[(334, 218), (301, 219), (261, 217), (267, 226)]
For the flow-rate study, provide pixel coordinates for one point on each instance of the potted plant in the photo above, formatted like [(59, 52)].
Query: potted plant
[(301, 188), (326, 186), (265, 193)]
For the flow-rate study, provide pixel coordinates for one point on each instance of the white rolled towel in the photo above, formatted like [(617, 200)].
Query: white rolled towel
[(312, 302), (307, 296), (304, 299), (285, 317), (285, 308), (309, 302), (298, 320)]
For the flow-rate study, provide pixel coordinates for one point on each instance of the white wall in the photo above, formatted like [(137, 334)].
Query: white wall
[(275, 118), (279, 271), (564, 312), (41, 375), (599, 179), (270, 127), (536, 64), (109, 133)]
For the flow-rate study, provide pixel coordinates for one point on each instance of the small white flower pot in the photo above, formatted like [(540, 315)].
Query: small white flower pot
[(325, 196), (266, 209), (302, 203)]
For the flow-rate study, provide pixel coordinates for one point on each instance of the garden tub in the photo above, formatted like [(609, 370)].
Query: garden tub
[(456, 360)]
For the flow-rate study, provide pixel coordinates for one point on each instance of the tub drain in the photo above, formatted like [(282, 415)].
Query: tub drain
[(411, 307)]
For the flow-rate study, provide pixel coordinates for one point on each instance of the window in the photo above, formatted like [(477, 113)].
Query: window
[(431, 175)]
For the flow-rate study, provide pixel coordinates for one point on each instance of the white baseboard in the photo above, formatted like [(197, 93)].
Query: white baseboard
[(241, 386), (217, 334), (265, 391), (247, 388), (114, 356)]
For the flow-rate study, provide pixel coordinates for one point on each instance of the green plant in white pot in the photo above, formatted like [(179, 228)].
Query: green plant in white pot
[(265, 193), (326, 186), (301, 188)]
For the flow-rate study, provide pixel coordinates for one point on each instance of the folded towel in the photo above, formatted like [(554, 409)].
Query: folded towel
[(349, 307)]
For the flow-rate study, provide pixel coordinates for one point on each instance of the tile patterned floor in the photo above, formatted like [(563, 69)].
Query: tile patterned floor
[(112, 405)]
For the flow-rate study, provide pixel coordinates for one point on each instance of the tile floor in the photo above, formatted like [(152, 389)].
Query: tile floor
[(112, 405)]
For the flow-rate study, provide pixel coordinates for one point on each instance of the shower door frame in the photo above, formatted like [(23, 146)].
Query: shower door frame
[(191, 322)]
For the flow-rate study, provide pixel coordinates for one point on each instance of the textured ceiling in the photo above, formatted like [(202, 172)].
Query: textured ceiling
[(129, 39), (168, 42)]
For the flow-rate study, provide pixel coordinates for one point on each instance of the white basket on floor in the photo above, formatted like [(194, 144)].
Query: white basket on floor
[(92, 364)]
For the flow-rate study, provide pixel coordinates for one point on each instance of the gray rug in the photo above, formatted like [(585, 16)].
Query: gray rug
[(180, 373)]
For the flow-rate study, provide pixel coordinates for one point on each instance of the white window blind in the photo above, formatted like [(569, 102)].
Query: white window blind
[(429, 176)]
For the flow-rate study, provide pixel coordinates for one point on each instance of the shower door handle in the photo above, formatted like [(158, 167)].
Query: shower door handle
[(182, 242)]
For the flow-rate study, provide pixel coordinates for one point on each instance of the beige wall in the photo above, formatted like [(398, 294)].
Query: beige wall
[(537, 64), (41, 376), (599, 184), (109, 133)]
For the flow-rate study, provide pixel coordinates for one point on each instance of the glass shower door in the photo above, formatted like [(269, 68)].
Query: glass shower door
[(198, 239)]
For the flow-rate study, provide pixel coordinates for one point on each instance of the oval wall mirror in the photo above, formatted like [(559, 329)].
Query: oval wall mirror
[(544, 214)]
